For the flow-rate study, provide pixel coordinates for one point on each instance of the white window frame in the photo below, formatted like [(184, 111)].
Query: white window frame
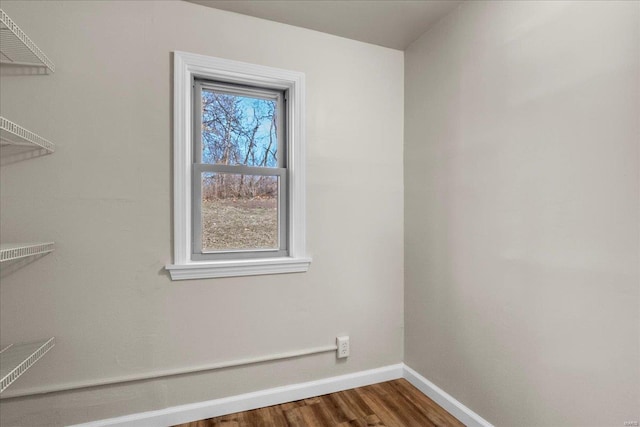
[(186, 67)]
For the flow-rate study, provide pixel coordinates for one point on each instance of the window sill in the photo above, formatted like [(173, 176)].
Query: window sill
[(250, 267)]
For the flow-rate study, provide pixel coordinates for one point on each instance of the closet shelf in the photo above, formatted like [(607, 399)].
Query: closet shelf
[(15, 359), (17, 48), (14, 134), (13, 251)]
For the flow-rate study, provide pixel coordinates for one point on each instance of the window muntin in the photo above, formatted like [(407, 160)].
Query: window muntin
[(239, 172)]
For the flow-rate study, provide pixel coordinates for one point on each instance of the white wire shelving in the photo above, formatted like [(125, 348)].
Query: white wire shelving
[(15, 359), (17, 48), (15, 135), (12, 251)]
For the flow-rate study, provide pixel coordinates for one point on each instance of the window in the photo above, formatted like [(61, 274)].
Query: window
[(238, 169), (240, 175)]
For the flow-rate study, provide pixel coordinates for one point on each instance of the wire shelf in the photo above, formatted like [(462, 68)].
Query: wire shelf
[(17, 48), (10, 252), (14, 134), (15, 359)]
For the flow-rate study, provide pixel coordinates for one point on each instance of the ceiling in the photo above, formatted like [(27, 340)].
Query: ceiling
[(390, 23)]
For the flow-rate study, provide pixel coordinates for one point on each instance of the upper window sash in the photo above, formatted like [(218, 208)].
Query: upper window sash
[(278, 96)]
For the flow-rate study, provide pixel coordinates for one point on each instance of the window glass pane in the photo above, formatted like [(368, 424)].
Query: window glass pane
[(239, 130), (239, 212)]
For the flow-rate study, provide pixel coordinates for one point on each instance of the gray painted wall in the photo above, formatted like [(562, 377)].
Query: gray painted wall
[(104, 197), (521, 211)]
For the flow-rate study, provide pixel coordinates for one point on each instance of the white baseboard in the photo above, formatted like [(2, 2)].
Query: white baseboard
[(244, 402), (274, 396), (444, 399)]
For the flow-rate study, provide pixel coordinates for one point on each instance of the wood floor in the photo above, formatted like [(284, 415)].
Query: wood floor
[(390, 404)]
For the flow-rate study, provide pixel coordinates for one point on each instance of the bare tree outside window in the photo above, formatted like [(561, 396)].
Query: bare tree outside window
[(238, 130)]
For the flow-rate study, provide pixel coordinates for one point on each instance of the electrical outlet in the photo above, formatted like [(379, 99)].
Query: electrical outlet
[(343, 346)]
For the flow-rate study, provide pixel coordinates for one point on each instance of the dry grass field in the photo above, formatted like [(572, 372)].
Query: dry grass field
[(239, 223)]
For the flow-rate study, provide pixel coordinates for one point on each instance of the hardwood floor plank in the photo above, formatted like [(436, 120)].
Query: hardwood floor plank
[(277, 415), (294, 417), (322, 414), (313, 417), (391, 408), (251, 419), (434, 412), (355, 403), (340, 409), (312, 400), (291, 405), (369, 421)]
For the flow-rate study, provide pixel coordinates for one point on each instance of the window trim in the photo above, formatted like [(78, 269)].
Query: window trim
[(187, 67)]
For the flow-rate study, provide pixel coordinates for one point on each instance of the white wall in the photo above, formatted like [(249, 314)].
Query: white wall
[(522, 211), (104, 197)]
